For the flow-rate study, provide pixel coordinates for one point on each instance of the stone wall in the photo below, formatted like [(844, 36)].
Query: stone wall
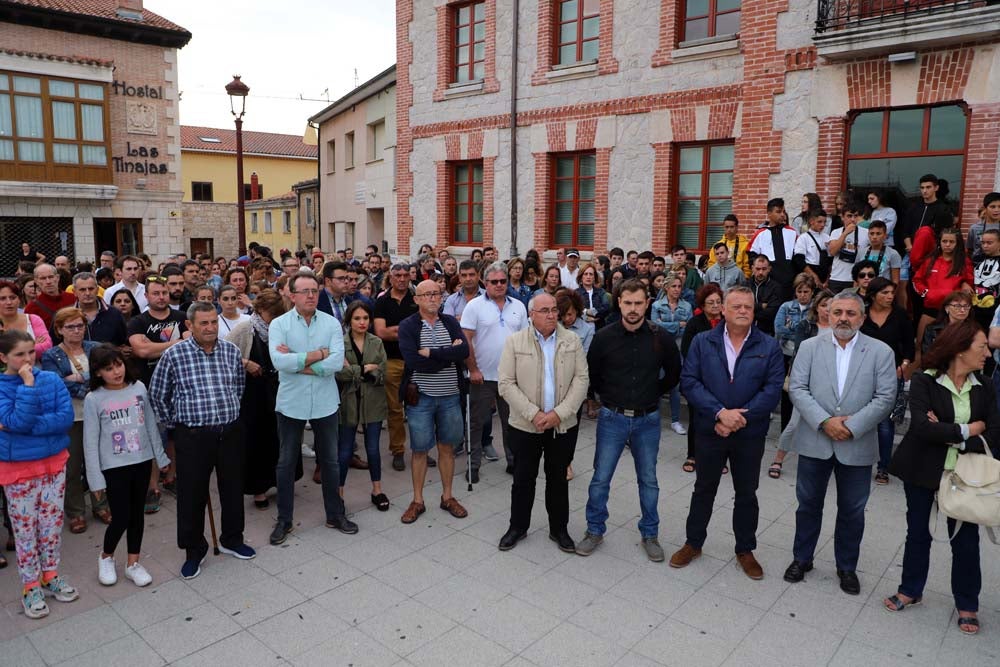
[(212, 220)]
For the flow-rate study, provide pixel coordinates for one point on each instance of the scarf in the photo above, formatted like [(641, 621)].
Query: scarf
[(259, 326)]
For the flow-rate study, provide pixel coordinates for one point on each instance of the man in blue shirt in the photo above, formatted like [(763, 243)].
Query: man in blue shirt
[(307, 348)]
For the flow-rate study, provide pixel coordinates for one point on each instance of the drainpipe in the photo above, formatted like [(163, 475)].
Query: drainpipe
[(319, 188), (513, 134)]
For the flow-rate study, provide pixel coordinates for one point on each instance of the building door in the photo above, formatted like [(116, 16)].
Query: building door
[(120, 235), (376, 226), (202, 247)]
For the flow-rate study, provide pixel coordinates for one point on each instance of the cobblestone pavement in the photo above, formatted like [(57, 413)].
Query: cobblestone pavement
[(439, 592)]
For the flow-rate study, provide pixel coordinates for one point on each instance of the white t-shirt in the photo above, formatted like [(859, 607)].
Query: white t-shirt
[(568, 278), (226, 325), (492, 328), (805, 246), (139, 293), (841, 270)]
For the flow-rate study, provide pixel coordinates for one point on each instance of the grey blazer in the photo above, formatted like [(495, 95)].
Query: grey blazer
[(869, 395)]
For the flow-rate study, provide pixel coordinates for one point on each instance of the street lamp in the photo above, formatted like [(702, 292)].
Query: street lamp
[(236, 89)]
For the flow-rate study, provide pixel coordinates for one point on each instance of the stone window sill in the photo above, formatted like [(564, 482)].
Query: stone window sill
[(463, 89), (575, 71), (727, 45)]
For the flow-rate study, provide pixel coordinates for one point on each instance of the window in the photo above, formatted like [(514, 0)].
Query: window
[(286, 222), (331, 156), (309, 212), (201, 191), (349, 150), (893, 148), (253, 222), (574, 179), (469, 42), (576, 37), (248, 192), (710, 18), (704, 193), (268, 228), (53, 129), (467, 202), (376, 140)]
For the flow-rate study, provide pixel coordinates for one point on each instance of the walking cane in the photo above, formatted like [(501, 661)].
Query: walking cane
[(211, 526), (468, 432)]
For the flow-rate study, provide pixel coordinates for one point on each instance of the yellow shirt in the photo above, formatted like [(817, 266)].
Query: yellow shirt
[(737, 252), (100, 291)]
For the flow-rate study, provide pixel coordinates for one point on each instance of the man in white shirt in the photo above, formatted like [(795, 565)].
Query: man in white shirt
[(129, 267), (847, 245), (568, 272), (487, 321)]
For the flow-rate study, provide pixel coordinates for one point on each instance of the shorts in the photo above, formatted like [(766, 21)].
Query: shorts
[(904, 269), (435, 419)]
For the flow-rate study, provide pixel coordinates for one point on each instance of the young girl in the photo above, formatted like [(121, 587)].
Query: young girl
[(120, 439), (35, 417)]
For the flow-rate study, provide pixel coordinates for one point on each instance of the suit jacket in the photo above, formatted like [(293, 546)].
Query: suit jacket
[(869, 395), (919, 459)]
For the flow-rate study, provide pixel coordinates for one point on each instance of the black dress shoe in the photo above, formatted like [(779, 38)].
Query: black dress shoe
[(398, 463), (474, 473), (279, 533), (511, 538), (510, 469), (849, 582), (796, 572), (564, 541), (343, 524)]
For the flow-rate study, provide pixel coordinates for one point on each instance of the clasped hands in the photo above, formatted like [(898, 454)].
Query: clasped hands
[(836, 428), (729, 421), (543, 421)]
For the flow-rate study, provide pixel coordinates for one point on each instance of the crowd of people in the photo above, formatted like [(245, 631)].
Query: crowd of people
[(124, 379)]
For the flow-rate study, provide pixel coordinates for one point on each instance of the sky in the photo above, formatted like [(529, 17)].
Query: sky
[(283, 49)]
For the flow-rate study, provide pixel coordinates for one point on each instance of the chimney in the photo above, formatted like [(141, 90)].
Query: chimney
[(254, 186), (129, 9)]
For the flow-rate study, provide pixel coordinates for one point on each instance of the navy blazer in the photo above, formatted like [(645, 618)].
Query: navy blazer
[(756, 383)]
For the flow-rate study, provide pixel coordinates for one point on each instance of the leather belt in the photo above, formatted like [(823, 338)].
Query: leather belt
[(642, 412)]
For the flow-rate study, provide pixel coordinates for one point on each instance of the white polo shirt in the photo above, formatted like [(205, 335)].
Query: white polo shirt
[(492, 327), (139, 294), (841, 270)]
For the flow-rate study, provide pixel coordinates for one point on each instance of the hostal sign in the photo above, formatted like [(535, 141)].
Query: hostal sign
[(140, 118)]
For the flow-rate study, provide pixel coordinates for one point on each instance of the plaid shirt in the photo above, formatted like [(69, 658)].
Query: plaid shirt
[(194, 388)]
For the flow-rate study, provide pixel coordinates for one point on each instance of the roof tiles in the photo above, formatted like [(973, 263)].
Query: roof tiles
[(260, 143)]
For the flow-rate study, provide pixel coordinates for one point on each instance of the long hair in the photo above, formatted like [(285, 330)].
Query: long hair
[(953, 339), (106, 356), (957, 258)]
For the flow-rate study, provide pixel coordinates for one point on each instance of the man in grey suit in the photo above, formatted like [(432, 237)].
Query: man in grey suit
[(842, 385)]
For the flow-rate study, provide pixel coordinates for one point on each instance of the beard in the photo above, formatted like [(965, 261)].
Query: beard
[(844, 332)]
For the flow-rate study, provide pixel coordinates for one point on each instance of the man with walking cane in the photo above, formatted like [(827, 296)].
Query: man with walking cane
[(543, 377), (196, 390)]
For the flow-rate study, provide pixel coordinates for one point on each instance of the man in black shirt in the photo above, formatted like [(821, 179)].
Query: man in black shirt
[(104, 324), (766, 294), (390, 309), (630, 388)]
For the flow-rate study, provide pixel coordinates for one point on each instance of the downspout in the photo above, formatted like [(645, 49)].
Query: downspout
[(513, 134), (319, 188)]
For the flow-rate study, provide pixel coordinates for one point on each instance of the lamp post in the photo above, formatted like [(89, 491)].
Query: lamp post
[(237, 89)]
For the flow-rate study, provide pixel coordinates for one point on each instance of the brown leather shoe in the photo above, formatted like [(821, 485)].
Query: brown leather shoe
[(358, 463), (750, 565), (453, 507), (412, 512), (684, 556), (317, 476), (104, 516)]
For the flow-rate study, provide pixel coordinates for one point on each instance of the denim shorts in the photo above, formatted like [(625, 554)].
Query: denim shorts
[(904, 269), (435, 419)]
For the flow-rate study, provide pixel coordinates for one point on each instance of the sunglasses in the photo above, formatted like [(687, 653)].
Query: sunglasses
[(865, 274), (499, 281)]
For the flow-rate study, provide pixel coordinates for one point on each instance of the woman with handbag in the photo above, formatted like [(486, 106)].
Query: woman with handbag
[(953, 413)]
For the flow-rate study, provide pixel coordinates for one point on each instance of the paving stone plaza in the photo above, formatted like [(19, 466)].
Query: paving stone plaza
[(439, 592)]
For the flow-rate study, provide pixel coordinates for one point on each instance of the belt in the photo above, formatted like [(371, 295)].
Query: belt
[(213, 428), (642, 412)]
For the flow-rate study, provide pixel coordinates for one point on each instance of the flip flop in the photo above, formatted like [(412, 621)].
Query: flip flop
[(897, 604), (970, 621), (688, 465), (774, 472)]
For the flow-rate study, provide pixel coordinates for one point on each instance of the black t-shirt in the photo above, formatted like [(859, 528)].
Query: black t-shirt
[(157, 331), (394, 312)]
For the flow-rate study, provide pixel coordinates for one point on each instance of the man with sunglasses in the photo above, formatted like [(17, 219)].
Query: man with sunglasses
[(487, 322)]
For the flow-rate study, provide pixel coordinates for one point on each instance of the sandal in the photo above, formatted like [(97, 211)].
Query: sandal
[(152, 505), (970, 621), (381, 501), (77, 525), (725, 470), (894, 603), (103, 515), (688, 465), (452, 507), (881, 478), (774, 472), (412, 512)]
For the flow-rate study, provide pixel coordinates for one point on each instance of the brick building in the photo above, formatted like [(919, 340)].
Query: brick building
[(643, 123), (89, 134)]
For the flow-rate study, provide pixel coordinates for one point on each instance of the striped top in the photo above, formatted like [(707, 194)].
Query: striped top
[(445, 381)]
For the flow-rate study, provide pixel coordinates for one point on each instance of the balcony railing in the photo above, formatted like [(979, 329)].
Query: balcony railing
[(841, 14)]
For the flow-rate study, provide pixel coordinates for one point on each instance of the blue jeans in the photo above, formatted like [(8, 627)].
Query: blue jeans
[(966, 577), (643, 435), (853, 487), (675, 404), (886, 435), (345, 449), (325, 436)]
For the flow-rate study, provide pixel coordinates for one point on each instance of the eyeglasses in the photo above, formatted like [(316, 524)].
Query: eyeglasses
[(344, 277), (74, 327), (714, 302), (307, 292), (546, 311), (959, 306), (430, 295), (865, 274), (291, 266), (156, 279), (498, 281)]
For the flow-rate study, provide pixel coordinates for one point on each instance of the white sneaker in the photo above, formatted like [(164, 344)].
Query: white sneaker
[(678, 428), (138, 574), (308, 451), (106, 571)]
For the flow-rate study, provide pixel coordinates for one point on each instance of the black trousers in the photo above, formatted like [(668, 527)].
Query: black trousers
[(126, 493), (199, 451), (744, 455), (528, 449)]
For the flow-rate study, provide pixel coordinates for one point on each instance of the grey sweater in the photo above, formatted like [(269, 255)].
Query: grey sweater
[(119, 429)]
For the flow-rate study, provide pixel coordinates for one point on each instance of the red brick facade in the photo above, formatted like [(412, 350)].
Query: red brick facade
[(606, 62)]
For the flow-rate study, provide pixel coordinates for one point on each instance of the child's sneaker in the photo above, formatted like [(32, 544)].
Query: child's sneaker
[(34, 603), (106, 573), (138, 574), (60, 589)]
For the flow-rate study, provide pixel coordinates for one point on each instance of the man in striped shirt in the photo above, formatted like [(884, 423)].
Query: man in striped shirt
[(433, 348)]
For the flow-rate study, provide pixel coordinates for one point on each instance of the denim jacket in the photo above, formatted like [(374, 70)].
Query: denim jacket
[(56, 361), (787, 321), (669, 319)]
